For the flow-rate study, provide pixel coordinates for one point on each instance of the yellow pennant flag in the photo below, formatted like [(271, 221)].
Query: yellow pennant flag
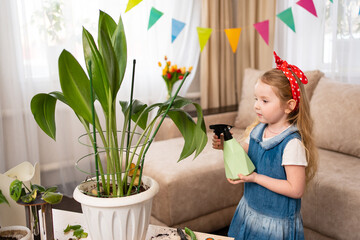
[(204, 35), (131, 4), (233, 35)]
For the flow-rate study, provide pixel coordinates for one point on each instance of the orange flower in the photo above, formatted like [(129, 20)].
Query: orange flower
[(164, 71), (183, 70), (190, 68), (159, 63), (165, 58)]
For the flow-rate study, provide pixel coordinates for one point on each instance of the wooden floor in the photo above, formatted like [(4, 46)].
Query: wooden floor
[(69, 204)]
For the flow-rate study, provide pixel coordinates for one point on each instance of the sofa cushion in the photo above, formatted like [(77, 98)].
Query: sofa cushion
[(246, 114), (335, 110), (190, 188), (332, 201)]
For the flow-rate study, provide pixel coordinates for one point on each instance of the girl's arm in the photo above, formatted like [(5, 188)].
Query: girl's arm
[(293, 186)]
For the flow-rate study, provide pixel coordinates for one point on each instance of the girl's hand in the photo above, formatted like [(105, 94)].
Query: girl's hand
[(218, 143), (249, 178)]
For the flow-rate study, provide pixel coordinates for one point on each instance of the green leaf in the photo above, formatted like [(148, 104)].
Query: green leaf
[(200, 134), (71, 227), (51, 189), (79, 233), (75, 85), (3, 198), (99, 78), (52, 198), (186, 126), (16, 189), (29, 197), (106, 23), (37, 187), (120, 47), (193, 133), (43, 109), (60, 96), (108, 55), (139, 111), (189, 232)]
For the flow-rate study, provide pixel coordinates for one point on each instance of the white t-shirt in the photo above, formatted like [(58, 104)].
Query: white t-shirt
[(294, 152)]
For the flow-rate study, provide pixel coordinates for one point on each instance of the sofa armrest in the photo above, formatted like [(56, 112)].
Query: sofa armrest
[(169, 130)]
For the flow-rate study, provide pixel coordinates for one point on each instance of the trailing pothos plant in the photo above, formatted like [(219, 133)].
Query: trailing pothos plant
[(106, 64)]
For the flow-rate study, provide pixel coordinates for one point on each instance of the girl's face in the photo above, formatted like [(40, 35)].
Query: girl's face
[(268, 106)]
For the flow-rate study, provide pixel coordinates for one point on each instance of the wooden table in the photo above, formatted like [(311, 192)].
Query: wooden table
[(62, 218)]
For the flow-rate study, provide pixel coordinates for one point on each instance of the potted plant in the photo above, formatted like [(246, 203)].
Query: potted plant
[(118, 180), (22, 195)]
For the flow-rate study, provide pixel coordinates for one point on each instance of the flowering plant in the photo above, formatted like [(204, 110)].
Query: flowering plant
[(171, 74)]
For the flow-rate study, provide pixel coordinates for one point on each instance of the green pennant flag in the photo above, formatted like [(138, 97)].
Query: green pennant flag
[(287, 17), (131, 4), (204, 35), (154, 16)]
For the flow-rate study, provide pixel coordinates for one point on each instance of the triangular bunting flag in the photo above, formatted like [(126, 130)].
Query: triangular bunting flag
[(263, 30), (287, 17), (308, 5), (233, 35), (204, 35), (154, 16), (177, 27), (131, 4)]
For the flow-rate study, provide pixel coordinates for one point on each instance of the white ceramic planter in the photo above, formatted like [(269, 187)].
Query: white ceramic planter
[(125, 218), (26, 230)]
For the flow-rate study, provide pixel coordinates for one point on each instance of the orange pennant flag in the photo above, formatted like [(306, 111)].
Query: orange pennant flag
[(233, 35)]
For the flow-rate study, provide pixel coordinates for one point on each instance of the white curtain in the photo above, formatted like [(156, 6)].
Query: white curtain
[(33, 34), (329, 42)]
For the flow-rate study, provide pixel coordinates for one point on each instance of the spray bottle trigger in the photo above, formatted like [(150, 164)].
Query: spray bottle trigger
[(220, 128)]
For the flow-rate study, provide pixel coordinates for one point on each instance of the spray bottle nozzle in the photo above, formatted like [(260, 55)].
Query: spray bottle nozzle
[(222, 128)]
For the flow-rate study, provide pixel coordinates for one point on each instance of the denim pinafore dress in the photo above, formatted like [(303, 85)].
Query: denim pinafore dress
[(263, 214)]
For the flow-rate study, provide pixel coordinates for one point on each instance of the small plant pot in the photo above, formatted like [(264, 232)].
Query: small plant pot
[(15, 233), (122, 218)]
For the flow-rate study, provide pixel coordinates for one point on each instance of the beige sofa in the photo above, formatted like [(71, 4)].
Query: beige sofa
[(195, 193)]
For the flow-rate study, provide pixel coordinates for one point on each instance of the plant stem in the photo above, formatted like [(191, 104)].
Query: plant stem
[(94, 131)]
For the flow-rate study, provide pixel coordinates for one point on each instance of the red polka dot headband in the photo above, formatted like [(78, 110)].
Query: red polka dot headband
[(285, 68)]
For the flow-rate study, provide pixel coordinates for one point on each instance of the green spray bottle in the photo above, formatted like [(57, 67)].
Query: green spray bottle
[(235, 158)]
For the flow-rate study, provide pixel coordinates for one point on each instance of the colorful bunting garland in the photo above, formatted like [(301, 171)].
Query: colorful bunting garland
[(204, 35), (131, 4), (287, 17), (308, 5), (177, 27), (263, 30), (233, 34), (155, 15)]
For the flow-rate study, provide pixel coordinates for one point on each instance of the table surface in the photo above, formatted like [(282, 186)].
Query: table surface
[(62, 218)]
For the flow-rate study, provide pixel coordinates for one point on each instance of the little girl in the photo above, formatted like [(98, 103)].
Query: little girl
[(281, 147)]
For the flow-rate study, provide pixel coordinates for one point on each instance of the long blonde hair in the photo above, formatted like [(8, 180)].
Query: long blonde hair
[(300, 116)]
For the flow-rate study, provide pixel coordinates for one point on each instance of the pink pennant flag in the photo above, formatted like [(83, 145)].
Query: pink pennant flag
[(308, 5), (263, 30)]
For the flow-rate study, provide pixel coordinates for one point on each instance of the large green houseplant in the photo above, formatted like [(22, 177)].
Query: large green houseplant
[(106, 65)]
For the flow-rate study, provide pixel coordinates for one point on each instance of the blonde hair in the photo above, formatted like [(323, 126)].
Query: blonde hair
[(300, 116)]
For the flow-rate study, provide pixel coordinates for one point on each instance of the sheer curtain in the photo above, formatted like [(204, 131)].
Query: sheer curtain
[(331, 44), (34, 32)]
